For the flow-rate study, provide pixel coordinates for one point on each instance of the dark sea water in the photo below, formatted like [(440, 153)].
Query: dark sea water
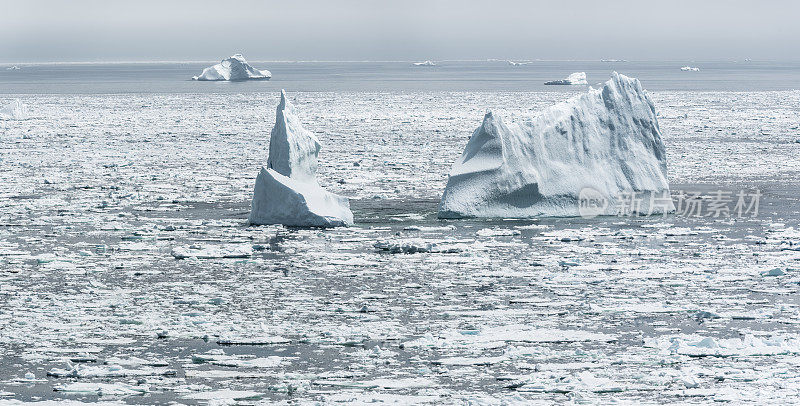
[(175, 77)]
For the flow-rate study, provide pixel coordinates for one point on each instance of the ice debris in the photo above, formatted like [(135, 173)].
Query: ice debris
[(232, 69), (287, 191), (600, 146), (690, 69)]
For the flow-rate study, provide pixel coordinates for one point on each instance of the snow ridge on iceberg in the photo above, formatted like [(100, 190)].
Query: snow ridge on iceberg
[(606, 141), (232, 69), (286, 191)]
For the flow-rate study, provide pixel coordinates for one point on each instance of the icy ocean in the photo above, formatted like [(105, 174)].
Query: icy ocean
[(128, 273)]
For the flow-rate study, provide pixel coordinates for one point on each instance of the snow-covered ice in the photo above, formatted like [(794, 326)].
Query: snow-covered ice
[(690, 69), (287, 191), (607, 141), (577, 78), (234, 68)]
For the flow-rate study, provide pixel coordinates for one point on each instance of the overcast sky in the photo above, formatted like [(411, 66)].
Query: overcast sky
[(105, 30)]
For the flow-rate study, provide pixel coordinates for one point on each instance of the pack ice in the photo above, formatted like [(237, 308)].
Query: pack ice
[(286, 191), (234, 68), (606, 141), (577, 78)]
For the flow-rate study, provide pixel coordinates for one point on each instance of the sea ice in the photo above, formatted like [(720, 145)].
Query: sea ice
[(234, 68), (15, 110), (690, 69), (287, 192), (606, 141), (577, 78)]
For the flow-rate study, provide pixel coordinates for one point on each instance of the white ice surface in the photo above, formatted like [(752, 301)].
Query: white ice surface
[(234, 68), (607, 140), (287, 191)]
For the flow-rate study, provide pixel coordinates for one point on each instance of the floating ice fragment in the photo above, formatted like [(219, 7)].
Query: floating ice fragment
[(425, 63), (213, 251), (690, 69), (107, 389)]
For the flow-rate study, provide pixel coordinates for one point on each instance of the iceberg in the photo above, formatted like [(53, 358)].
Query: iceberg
[(513, 63), (605, 144), (286, 191), (15, 110), (233, 69), (426, 63), (690, 69), (577, 78)]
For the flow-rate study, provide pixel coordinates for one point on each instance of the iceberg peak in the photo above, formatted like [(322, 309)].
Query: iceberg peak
[(293, 150)]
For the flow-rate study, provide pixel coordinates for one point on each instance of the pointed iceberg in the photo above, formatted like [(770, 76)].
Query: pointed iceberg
[(287, 191), (603, 145), (233, 69)]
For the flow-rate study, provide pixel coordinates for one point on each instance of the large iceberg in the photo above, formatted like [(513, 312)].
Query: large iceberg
[(604, 145), (234, 68), (287, 191), (16, 110), (577, 78)]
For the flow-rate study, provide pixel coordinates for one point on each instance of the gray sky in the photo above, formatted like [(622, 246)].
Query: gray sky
[(106, 30)]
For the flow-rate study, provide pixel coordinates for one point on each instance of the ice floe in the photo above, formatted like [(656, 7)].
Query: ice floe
[(232, 69), (287, 191), (690, 69), (545, 164)]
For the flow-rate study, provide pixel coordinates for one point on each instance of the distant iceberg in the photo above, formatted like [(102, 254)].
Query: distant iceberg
[(426, 63), (512, 63), (606, 142), (577, 78), (690, 69), (233, 69), (15, 67), (286, 191), (15, 110)]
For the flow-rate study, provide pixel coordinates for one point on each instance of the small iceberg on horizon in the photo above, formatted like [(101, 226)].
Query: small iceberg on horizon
[(513, 63), (15, 67), (233, 69), (16, 110), (286, 191), (577, 78), (426, 63), (690, 69), (595, 147)]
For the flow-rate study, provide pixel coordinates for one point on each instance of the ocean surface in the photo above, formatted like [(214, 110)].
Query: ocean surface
[(498, 75), (128, 272)]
